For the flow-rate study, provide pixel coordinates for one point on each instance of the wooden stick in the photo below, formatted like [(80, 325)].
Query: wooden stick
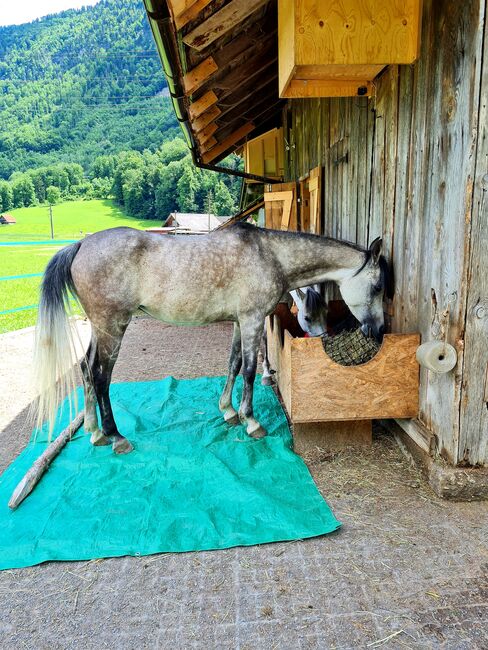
[(33, 476)]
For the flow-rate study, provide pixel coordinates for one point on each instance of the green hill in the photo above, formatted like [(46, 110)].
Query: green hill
[(80, 84)]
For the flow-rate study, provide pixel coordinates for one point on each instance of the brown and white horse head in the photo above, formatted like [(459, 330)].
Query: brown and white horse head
[(363, 291)]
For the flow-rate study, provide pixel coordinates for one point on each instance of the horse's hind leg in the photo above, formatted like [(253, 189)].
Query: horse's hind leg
[(235, 362), (91, 418), (108, 340)]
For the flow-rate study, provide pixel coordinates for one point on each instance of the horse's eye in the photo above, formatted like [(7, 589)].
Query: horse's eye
[(378, 288), (308, 319)]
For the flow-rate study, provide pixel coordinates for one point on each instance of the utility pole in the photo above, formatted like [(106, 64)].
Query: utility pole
[(51, 220)]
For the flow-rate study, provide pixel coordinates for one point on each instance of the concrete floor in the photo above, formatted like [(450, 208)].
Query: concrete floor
[(406, 570)]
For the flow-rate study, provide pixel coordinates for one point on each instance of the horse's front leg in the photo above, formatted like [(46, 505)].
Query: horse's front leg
[(235, 363), (252, 332), (267, 378)]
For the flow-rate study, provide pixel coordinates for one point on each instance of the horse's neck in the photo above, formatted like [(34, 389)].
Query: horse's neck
[(307, 260)]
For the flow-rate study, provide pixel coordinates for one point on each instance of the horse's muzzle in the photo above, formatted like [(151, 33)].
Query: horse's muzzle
[(369, 328)]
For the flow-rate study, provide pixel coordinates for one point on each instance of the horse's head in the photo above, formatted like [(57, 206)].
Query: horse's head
[(312, 312), (363, 291)]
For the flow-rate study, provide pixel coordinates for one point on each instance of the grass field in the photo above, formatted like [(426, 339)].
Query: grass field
[(72, 220)]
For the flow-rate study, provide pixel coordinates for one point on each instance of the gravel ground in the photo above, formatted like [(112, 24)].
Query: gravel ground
[(406, 570)]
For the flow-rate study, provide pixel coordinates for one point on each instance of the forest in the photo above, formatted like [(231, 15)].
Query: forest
[(85, 114)]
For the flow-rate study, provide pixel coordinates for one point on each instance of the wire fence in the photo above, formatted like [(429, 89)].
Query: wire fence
[(4, 309)]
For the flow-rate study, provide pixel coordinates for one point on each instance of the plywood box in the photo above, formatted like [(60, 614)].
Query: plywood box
[(316, 389), (336, 48)]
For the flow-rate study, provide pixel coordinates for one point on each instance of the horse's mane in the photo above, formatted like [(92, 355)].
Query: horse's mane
[(314, 301)]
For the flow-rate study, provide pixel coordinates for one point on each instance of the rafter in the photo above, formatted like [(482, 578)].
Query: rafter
[(188, 10), (202, 104), (205, 119), (221, 22), (196, 77), (207, 132), (229, 142)]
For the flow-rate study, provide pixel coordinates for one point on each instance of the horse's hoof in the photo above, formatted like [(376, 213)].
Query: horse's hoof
[(258, 433), (98, 438), (267, 381), (233, 420), (122, 446)]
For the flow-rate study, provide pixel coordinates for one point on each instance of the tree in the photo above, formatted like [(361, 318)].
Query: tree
[(53, 194), (22, 191), (223, 201), (6, 196), (187, 187)]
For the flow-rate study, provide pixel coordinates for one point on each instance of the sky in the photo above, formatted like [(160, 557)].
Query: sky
[(15, 12)]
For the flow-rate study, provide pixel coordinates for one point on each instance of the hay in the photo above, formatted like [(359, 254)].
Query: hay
[(350, 348)]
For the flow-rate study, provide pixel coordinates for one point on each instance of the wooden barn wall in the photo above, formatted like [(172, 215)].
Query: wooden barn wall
[(411, 164)]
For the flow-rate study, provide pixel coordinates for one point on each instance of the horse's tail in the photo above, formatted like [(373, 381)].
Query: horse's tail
[(54, 358)]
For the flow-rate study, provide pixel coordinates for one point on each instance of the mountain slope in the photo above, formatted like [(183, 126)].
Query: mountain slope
[(80, 84)]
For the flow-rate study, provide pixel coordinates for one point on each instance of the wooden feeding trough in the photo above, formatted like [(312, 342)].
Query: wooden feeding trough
[(333, 405)]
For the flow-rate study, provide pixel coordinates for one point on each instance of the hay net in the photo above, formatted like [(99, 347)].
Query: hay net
[(350, 347)]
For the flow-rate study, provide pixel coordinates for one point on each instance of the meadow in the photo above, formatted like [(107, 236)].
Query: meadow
[(72, 221)]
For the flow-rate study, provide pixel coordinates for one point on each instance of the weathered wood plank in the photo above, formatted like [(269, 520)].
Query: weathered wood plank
[(228, 142), (202, 104), (206, 118), (473, 435), (207, 132), (196, 77), (221, 22), (327, 88), (188, 11)]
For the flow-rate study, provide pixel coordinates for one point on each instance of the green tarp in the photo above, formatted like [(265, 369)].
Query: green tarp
[(192, 483)]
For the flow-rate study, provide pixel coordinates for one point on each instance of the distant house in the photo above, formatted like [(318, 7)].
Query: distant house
[(187, 223), (192, 221), (7, 219)]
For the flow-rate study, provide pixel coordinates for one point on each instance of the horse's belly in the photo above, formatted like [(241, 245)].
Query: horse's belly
[(188, 314)]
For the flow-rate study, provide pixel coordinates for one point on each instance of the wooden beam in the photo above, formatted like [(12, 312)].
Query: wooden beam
[(188, 11), (230, 141), (209, 144), (328, 88), (196, 77), (221, 22), (208, 131), (204, 120), (202, 104)]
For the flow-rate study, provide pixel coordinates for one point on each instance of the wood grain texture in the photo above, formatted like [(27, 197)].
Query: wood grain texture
[(281, 207), (187, 10), (473, 435), (205, 134), (307, 436), (229, 142), (196, 77), (315, 192), (342, 41), (206, 118), (353, 32), (385, 387), (327, 88), (202, 104), (220, 22)]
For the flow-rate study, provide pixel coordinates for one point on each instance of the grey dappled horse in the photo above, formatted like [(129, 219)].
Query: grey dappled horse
[(235, 274)]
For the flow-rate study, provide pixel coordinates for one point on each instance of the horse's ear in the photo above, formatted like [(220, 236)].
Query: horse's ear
[(375, 250), (301, 294)]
